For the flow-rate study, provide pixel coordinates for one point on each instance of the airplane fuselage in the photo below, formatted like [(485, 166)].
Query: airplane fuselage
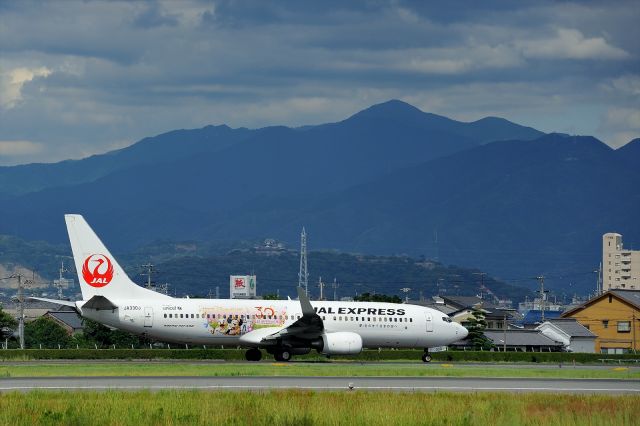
[(224, 321)]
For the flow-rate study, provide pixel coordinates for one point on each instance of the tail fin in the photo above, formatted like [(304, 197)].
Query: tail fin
[(99, 273)]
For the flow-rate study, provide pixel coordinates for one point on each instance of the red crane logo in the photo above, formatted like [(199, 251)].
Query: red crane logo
[(102, 271)]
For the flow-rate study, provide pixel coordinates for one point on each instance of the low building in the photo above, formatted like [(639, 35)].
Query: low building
[(516, 340), (573, 335), (614, 317), (69, 320), (460, 309)]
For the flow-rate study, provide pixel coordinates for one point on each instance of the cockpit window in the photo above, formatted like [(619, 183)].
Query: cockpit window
[(446, 319)]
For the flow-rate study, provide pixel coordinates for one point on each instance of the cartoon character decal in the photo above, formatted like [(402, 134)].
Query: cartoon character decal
[(225, 322)]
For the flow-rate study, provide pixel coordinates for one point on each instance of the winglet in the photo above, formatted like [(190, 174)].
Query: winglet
[(307, 309)]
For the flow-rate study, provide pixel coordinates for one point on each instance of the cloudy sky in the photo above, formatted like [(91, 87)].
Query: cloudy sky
[(84, 77)]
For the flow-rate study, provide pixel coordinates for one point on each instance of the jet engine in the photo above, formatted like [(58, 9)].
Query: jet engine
[(339, 343)]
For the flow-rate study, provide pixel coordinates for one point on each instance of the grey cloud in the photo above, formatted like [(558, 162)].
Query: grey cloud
[(124, 70)]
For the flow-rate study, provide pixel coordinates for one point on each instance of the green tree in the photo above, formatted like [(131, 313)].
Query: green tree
[(7, 324), (101, 335), (270, 296), (96, 333), (477, 325), (7, 320), (46, 332), (367, 297)]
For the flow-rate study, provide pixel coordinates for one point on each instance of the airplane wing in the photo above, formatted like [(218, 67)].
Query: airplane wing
[(310, 326)]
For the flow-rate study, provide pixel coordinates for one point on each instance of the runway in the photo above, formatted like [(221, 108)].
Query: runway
[(397, 384)]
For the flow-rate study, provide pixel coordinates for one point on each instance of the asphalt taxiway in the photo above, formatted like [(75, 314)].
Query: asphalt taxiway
[(398, 384)]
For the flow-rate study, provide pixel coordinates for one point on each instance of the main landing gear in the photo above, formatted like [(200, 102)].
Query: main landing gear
[(282, 355), (253, 354), (425, 356)]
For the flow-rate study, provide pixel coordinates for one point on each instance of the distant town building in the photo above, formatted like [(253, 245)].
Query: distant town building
[(614, 317), (271, 247), (620, 267)]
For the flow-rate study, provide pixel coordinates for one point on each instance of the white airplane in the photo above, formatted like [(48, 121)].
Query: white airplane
[(281, 327)]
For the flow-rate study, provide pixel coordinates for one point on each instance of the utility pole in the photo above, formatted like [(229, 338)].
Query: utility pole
[(482, 274), (148, 274), (20, 309), (303, 275), (406, 291), (543, 296), (599, 280), (504, 325), (335, 286), (321, 285), (61, 271), (633, 324)]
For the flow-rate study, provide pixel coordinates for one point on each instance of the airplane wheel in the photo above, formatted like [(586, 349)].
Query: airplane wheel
[(253, 354), (426, 357), (282, 355)]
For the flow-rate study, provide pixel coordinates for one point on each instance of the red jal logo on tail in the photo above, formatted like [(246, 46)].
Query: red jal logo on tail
[(97, 270)]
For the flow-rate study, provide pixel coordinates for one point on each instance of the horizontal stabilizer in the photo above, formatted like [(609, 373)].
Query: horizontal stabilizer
[(54, 301), (100, 303)]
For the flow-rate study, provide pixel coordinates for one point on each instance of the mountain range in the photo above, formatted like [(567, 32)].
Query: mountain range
[(390, 179)]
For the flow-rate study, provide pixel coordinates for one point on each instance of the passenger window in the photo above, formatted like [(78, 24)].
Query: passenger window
[(351, 318), (334, 318), (339, 318), (181, 315), (410, 319), (323, 318), (165, 315)]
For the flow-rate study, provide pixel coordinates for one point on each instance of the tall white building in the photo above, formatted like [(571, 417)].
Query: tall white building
[(620, 267)]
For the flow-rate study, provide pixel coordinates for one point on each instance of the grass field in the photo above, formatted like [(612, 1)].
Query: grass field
[(311, 408), (43, 369)]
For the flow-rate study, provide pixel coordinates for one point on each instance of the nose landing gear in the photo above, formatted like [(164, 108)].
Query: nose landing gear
[(253, 354), (425, 356)]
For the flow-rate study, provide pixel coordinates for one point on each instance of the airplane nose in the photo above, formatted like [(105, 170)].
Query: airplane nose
[(463, 331)]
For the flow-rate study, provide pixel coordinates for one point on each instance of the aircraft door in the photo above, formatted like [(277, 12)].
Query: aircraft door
[(429, 323), (148, 316)]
